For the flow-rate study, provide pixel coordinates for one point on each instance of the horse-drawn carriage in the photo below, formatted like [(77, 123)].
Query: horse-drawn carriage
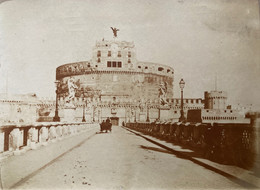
[(106, 126)]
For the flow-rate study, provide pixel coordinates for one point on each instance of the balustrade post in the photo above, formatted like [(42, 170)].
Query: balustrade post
[(25, 136), (33, 137), (78, 128), (72, 129), (59, 132), (44, 135), (39, 134), (6, 139), (15, 140), (65, 130), (52, 133)]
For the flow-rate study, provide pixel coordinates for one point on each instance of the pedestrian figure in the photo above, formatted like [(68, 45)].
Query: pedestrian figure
[(108, 125), (108, 120), (102, 125)]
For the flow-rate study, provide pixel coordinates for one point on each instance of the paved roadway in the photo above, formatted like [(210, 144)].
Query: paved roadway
[(122, 160)]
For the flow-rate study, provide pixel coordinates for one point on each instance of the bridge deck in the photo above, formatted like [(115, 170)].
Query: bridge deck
[(117, 160)]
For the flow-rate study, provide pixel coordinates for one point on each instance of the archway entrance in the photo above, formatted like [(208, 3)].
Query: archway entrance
[(114, 121)]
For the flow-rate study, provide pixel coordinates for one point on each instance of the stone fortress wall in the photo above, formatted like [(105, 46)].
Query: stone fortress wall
[(215, 100), (114, 71), (117, 85), (117, 82)]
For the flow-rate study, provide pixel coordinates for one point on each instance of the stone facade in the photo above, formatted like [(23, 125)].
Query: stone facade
[(115, 84), (215, 100), (215, 110), (24, 108)]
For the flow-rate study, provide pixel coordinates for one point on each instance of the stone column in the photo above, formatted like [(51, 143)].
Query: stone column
[(52, 134), (59, 132), (15, 139), (33, 137), (44, 135), (65, 130), (6, 140)]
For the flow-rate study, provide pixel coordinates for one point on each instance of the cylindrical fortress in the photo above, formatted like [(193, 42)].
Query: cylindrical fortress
[(114, 75), (215, 100)]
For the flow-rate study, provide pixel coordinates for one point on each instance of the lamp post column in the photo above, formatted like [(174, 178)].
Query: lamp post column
[(83, 106), (135, 115), (93, 113), (83, 117), (182, 84), (56, 117), (147, 117), (129, 114), (159, 113)]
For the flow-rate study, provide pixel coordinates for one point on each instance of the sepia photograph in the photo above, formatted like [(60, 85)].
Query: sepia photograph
[(129, 94)]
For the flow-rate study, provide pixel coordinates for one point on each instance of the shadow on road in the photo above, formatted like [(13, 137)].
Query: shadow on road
[(102, 132), (156, 149)]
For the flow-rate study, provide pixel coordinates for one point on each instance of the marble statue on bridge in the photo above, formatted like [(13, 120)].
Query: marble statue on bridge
[(72, 91)]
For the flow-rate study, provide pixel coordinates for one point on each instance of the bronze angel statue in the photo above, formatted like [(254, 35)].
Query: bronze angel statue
[(115, 30)]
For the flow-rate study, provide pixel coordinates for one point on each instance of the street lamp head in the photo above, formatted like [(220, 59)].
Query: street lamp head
[(182, 84)]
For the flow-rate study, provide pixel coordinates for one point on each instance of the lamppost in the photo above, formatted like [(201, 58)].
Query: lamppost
[(130, 114), (147, 108), (56, 118), (95, 102), (94, 108), (135, 114), (83, 116), (182, 84)]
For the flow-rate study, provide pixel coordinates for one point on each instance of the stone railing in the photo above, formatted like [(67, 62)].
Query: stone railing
[(228, 143), (17, 138)]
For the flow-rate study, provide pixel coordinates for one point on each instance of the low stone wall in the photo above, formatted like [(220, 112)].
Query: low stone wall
[(15, 139), (225, 143)]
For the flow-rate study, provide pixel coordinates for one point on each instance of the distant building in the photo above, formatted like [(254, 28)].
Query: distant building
[(215, 100), (25, 108), (216, 110), (116, 84), (188, 104)]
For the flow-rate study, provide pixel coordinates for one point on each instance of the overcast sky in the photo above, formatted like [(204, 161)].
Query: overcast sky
[(198, 38)]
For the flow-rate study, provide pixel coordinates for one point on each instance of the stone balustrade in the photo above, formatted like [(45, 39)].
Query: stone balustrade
[(17, 138), (228, 143)]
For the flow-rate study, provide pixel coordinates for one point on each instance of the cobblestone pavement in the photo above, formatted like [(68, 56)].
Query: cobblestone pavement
[(122, 160)]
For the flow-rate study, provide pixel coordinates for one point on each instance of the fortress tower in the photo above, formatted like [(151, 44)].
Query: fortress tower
[(114, 77), (215, 100)]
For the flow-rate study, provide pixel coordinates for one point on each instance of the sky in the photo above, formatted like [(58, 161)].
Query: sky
[(200, 39)]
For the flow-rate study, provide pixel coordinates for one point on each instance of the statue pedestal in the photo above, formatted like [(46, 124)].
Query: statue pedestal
[(88, 117), (142, 117), (69, 114), (165, 113)]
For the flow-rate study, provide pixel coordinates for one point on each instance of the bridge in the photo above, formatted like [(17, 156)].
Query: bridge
[(135, 156)]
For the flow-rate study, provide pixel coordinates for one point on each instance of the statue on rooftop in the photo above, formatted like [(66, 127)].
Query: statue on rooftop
[(115, 30)]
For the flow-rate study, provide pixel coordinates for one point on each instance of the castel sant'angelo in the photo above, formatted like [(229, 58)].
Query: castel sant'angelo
[(115, 84)]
